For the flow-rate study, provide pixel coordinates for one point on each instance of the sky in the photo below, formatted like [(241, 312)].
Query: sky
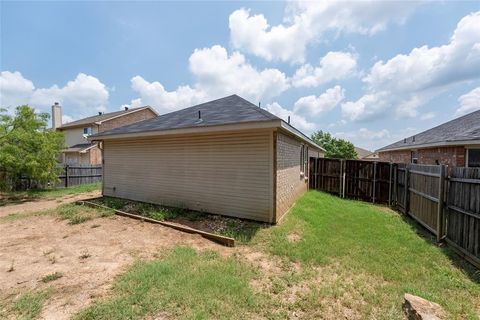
[(367, 71)]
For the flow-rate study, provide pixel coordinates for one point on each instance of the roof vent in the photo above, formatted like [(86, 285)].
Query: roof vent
[(259, 104), (413, 139), (200, 120), (126, 108), (405, 140), (99, 113), (288, 119)]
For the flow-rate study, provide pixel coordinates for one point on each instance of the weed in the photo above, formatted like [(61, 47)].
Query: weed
[(79, 219), (12, 267), (115, 203), (84, 254), (51, 277)]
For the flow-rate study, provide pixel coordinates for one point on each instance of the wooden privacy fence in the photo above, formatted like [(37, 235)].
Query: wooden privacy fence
[(355, 179), (462, 213), (74, 175), (448, 205)]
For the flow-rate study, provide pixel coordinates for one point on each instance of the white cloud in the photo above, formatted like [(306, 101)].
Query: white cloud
[(427, 116), (216, 74), (79, 97), (296, 120), (469, 102), (306, 21), (367, 107), (333, 66), (374, 139), (155, 95), (314, 106), (408, 81), (14, 89)]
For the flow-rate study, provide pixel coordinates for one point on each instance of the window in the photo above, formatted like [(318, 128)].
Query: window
[(302, 156), (303, 159), (414, 156), (473, 158), (87, 131)]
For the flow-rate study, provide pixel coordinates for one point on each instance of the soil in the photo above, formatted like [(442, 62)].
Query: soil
[(89, 255)]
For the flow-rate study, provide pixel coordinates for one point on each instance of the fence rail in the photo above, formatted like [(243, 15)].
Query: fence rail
[(77, 175), (448, 206)]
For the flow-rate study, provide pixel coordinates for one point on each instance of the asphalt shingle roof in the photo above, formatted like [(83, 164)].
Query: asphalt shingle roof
[(465, 128), (97, 118), (228, 110)]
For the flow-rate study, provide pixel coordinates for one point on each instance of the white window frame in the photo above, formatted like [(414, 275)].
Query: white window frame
[(467, 160), (88, 132), (302, 156)]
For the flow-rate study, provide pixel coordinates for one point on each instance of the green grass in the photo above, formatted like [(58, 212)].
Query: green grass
[(29, 305), (23, 215), (375, 254), (76, 214), (21, 196), (184, 284), (52, 277)]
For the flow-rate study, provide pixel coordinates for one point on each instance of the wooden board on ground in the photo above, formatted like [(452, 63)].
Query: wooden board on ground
[(226, 241)]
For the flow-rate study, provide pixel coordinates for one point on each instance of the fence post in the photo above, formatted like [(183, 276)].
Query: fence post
[(66, 176), (390, 186), (374, 181), (340, 185), (441, 194), (406, 187)]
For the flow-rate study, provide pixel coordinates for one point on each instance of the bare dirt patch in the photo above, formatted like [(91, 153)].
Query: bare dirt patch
[(88, 256), (42, 204), (293, 237)]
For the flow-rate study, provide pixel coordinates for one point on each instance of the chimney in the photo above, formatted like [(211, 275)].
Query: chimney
[(126, 108), (56, 116)]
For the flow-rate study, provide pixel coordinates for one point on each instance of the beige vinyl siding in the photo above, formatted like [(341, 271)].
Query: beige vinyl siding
[(227, 173)]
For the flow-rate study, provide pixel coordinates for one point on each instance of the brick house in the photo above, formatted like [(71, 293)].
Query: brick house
[(454, 143), (79, 150), (226, 156)]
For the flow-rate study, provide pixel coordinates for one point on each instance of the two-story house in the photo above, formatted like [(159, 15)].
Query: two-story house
[(79, 149)]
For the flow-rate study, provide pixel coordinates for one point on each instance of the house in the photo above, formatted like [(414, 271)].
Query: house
[(226, 156), (454, 143), (364, 154), (79, 149)]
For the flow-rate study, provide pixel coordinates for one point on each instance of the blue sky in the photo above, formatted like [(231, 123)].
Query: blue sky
[(371, 72)]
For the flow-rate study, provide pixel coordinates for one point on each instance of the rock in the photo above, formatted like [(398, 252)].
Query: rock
[(417, 308)]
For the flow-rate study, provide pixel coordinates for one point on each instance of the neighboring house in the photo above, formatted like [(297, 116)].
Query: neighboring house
[(454, 143), (364, 154), (79, 149), (226, 156)]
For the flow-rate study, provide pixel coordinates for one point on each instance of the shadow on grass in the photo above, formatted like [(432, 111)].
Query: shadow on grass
[(457, 260), (19, 197)]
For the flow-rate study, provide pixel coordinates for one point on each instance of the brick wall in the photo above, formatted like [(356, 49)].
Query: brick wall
[(451, 156), (290, 184), (127, 119)]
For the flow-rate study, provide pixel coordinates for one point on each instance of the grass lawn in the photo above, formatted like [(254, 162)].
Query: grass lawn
[(329, 258), (21, 196)]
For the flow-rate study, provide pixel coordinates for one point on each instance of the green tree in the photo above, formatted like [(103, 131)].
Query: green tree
[(27, 148), (335, 148)]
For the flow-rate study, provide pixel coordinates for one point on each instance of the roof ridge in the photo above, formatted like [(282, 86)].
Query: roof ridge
[(422, 133)]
